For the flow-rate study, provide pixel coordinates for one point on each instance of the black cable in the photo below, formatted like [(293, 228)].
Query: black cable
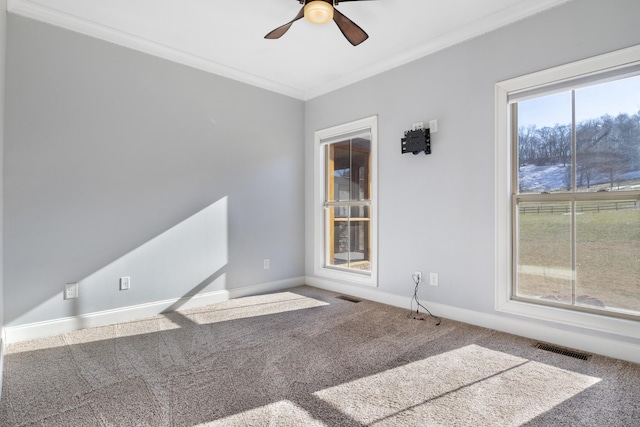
[(416, 280)]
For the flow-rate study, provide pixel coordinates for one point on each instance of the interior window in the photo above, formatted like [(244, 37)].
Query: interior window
[(345, 217)]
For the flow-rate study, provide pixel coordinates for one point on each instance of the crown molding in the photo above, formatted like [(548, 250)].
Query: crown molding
[(481, 26), (506, 16), (38, 12)]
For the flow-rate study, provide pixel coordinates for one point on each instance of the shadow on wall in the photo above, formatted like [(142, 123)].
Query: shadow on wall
[(186, 260)]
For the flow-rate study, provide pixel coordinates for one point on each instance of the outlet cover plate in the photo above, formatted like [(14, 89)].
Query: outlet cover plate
[(433, 279), (71, 291)]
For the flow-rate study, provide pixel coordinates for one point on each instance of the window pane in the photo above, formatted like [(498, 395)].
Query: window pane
[(544, 251), (360, 225), (350, 237), (608, 254), (340, 237), (608, 136), (361, 153), (544, 144), (349, 165), (340, 168)]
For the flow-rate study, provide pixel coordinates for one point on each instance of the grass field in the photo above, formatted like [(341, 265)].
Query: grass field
[(607, 258)]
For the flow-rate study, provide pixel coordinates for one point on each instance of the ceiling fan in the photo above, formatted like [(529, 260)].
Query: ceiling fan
[(321, 12)]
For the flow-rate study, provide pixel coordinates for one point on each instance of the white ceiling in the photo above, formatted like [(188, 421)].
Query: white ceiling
[(226, 37)]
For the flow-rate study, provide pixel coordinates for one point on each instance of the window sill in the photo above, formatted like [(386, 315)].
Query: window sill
[(588, 321), (347, 276)]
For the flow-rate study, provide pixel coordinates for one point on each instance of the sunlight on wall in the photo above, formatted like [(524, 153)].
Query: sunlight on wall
[(494, 388), (182, 261)]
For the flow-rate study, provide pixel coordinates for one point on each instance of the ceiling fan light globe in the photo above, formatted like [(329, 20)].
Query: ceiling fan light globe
[(318, 12)]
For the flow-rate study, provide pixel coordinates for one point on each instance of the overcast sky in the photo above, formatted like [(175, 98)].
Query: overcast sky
[(613, 98)]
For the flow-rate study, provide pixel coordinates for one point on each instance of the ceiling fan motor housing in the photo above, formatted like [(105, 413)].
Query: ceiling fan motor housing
[(318, 12)]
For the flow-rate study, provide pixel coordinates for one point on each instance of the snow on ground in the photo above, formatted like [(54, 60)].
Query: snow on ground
[(542, 178), (537, 179)]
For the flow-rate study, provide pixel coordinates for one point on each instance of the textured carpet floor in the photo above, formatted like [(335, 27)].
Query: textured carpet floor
[(306, 358)]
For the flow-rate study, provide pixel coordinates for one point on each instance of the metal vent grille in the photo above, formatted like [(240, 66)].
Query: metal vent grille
[(348, 298), (563, 351)]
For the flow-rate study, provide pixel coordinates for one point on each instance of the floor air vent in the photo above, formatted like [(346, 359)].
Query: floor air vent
[(563, 351), (348, 298)]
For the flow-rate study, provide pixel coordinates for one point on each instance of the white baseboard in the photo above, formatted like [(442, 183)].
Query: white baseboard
[(68, 324), (529, 329)]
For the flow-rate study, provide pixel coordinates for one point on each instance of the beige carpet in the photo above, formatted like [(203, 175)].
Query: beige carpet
[(306, 358)]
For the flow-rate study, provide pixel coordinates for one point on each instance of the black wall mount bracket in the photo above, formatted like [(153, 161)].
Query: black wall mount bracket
[(415, 141)]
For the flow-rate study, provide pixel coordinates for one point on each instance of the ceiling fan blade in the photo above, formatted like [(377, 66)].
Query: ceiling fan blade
[(279, 32), (350, 29)]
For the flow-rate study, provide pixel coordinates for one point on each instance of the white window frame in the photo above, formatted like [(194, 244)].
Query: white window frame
[(320, 138), (503, 194)]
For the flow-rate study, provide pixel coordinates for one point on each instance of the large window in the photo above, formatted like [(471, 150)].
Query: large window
[(576, 208), (345, 213), (572, 139)]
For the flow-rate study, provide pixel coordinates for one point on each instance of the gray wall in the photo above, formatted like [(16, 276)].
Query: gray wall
[(437, 212), (119, 163), (3, 38), (116, 159)]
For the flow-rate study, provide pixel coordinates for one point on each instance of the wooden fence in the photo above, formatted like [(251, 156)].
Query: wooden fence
[(565, 207)]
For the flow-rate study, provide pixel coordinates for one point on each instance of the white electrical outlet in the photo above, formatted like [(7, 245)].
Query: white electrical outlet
[(433, 279), (266, 263), (433, 126), (125, 283), (71, 291)]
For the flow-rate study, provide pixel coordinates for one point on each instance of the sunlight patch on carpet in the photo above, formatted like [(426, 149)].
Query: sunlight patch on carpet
[(234, 309), (283, 412), (491, 387), (243, 308)]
